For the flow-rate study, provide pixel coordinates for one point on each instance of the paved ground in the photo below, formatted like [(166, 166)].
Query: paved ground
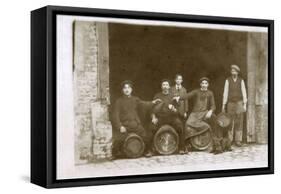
[(248, 156)]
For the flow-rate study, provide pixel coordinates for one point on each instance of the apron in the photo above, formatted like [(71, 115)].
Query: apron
[(195, 124)]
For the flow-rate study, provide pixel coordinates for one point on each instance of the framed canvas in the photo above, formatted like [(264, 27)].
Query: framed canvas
[(125, 96)]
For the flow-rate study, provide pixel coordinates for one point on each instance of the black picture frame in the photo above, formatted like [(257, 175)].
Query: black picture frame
[(43, 96)]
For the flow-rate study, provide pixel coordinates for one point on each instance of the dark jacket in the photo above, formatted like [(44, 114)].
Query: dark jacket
[(183, 104), (162, 109), (125, 112)]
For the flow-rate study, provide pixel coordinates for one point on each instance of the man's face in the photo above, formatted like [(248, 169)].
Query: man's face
[(179, 80), (204, 85), (127, 89), (165, 87), (234, 72)]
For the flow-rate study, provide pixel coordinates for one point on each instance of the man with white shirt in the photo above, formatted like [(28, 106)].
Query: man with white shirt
[(235, 100)]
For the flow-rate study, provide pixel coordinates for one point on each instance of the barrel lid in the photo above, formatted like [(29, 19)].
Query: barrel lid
[(133, 146), (166, 140)]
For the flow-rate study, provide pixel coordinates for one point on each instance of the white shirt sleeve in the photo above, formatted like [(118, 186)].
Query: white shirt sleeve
[(225, 92), (244, 93)]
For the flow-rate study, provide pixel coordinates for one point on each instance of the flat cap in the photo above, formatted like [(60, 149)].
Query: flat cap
[(129, 82), (235, 67), (223, 119), (204, 78)]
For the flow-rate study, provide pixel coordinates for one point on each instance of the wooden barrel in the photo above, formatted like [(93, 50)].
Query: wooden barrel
[(133, 146), (166, 140), (201, 142)]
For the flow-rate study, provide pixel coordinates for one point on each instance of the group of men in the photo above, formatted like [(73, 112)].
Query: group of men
[(171, 106)]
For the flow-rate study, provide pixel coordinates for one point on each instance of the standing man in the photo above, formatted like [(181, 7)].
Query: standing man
[(179, 90), (202, 117), (126, 118), (166, 113), (235, 99)]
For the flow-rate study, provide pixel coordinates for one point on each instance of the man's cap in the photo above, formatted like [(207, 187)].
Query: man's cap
[(129, 82), (235, 67), (223, 120), (204, 78)]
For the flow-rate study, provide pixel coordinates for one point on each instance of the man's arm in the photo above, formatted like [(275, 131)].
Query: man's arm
[(212, 102), (145, 107), (225, 95), (244, 93), (185, 103), (157, 107), (186, 96), (148, 103), (144, 104), (212, 105)]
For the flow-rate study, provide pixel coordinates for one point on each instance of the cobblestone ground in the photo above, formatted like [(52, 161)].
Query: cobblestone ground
[(248, 156)]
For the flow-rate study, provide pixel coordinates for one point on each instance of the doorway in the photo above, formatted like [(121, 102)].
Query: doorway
[(147, 54)]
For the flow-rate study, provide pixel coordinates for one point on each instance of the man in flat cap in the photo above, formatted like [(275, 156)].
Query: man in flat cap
[(166, 112), (202, 117), (178, 90), (235, 100), (126, 119)]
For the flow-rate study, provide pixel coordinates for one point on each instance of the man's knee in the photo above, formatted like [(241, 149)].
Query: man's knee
[(178, 124), (177, 121), (153, 128)]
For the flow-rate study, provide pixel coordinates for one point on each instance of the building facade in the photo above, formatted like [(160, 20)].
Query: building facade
[(100, 63)]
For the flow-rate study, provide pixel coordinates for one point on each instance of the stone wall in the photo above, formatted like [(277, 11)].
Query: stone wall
[(257, 115), (93, 130), (91, 114)]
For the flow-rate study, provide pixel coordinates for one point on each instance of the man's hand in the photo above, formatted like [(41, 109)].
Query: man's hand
[(170, 106), (177, 98), (154, 120), (123, 129), (185, 115), (156, 101), (223, 108), (209, 114)]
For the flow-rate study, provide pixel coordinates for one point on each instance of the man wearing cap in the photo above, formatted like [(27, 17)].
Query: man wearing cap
[(235, 100), (126, 119), (178, 90), (202, 117), (166, 113)]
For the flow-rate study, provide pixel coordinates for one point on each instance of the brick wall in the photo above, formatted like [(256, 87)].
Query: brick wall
[(93, 131), (92, 128)]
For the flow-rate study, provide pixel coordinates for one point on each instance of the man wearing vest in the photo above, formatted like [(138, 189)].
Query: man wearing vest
[(235, 100)]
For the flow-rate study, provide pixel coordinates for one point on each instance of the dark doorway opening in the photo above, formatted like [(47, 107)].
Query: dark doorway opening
[(147, 54)]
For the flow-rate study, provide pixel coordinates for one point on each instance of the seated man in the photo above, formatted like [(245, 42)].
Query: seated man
[(202, 117), (166, 113), (126, 118)]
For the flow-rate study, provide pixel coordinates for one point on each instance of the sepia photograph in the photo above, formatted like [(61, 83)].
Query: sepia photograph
[(140, 97)]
